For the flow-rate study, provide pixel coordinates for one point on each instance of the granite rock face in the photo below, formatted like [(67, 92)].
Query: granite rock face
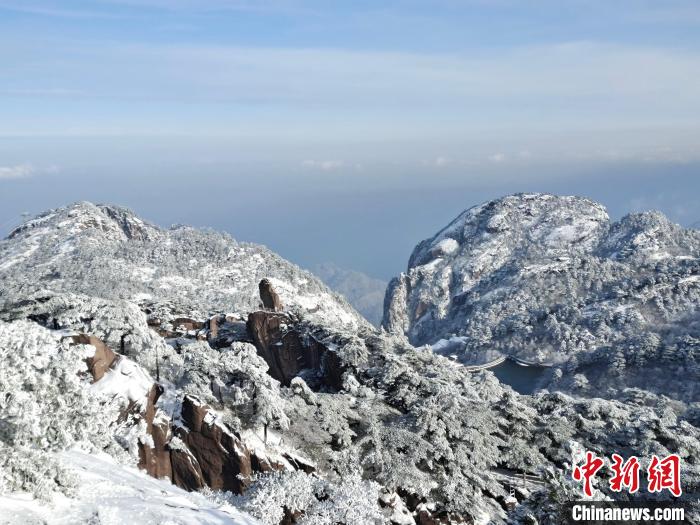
[(103, 359), (201, 451), (289, 352)]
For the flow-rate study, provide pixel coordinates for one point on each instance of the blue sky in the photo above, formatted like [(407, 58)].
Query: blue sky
[(346, 131)]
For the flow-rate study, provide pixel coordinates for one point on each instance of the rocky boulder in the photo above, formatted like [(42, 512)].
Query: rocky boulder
[(155, 458), (268, 296), (186, 324), (225, 463)]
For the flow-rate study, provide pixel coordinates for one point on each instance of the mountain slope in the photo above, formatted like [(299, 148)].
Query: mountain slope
[(107, 251), (364, 293), (552, 280), (109, 493)]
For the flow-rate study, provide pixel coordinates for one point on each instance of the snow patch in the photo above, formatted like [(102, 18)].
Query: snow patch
[(445, 247), (125, 380), (113, 494)]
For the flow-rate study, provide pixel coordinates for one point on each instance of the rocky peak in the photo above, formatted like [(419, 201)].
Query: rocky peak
[(550, 279), (112, 222), (482, 241), (132, 226), (518, 225), (649, 235), (288, 351)]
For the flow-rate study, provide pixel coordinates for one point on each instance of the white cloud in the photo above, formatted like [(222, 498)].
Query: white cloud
[(497, 157), (638, 80), (20, 171), (323, 165), (562, 100), (442, 161)]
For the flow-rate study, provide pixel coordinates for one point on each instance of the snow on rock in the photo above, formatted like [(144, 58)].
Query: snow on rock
[(577, 232), (445, 247), (126, 380), (690, 280)]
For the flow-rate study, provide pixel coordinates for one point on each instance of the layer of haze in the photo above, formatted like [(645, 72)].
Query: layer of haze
[(346, 131)]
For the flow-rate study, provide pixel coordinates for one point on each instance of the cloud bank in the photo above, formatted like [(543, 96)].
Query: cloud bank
[(20, 171)]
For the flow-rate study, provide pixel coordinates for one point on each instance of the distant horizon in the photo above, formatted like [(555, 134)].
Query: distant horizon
[(320, 257), (347, 131)]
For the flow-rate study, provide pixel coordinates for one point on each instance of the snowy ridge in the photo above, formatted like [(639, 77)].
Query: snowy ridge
[(121, 257), (125, 380)]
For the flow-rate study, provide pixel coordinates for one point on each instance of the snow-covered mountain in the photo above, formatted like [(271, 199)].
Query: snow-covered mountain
[(108, 252), (364, 293), (128, 350), (553, 280)]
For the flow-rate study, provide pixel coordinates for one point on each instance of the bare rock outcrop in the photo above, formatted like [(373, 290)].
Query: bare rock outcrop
[(103, 358), (157, 460), (221, 456), (187, 473), (287, 351), (270, 299), (214, 323), (201, 451)]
